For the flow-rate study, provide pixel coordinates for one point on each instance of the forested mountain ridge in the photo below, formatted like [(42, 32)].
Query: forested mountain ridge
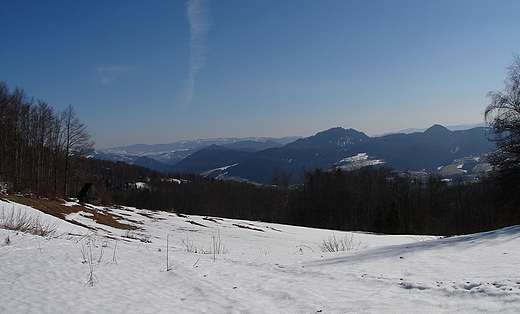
[(436, 149)]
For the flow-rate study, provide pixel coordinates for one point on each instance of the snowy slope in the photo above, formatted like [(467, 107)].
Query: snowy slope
[(261, 268)]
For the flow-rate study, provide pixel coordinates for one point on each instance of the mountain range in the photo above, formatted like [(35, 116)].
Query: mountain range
[(161, 157), (437, 149)]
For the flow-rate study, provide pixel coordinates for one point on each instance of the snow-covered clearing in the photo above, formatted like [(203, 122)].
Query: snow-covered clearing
[(261, 268)]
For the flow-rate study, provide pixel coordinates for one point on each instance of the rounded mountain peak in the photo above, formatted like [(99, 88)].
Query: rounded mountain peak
[(437, 129), (337, 136)]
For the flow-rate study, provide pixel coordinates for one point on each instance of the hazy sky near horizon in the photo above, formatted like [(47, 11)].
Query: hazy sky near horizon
[(161, 71)]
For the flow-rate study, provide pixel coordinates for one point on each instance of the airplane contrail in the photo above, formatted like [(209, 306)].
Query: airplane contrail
[(199, 17)]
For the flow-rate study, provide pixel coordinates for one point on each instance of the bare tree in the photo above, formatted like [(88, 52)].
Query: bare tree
[(75, 141), (38, 148), (43, 120), (503, 116)]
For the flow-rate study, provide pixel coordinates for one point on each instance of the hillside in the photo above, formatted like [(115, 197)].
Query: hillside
[(258, 267)]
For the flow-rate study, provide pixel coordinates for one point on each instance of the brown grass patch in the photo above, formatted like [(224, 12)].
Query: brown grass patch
[(81, 225), (58, 209), (196, 223), (212, 219), (108, 220), (248, 227), (151, 216), (48, 206)]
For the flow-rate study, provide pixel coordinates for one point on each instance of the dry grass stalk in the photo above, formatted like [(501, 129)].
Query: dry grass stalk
[(333, 244), (19, 220)]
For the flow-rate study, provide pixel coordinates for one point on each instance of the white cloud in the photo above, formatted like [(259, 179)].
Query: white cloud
[(108, 74), (200, 20)]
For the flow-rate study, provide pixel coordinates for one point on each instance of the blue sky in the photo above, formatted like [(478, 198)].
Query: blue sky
[(161, 71)]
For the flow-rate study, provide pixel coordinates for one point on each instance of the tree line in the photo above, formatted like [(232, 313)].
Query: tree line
[(379, 199), (40, 149), (373, 199)]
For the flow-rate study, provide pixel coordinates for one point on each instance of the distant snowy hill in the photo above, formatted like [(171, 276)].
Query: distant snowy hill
[(168, 263), (172, 153)]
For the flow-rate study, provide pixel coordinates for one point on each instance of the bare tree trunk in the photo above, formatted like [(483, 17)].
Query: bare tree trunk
[(76, 141)]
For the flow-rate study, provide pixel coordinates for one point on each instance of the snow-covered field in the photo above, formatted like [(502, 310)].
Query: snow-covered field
[(260, 268)]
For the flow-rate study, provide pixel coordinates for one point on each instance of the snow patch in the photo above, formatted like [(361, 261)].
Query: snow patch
[(358, 161)]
